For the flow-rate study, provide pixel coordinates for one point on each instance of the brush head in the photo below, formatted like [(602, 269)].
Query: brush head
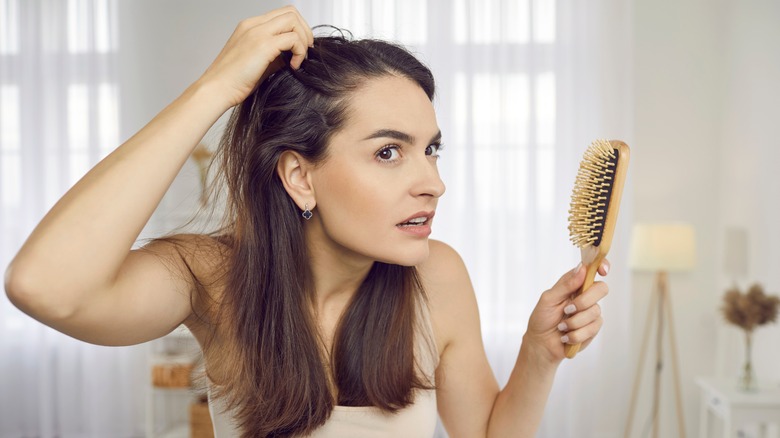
[(594, 194)]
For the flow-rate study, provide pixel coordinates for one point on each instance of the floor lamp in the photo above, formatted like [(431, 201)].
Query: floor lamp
[(661, 248)]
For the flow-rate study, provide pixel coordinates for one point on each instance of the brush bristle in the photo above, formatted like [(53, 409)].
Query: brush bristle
[(591, 195)]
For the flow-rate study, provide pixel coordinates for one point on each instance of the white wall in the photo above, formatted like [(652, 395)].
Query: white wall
[(750, 165), (706, 90)]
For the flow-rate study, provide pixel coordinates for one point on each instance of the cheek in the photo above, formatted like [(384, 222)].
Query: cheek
[(355, 199), (358, 210)]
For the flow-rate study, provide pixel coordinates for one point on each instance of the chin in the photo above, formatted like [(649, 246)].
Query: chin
[(408, 255)]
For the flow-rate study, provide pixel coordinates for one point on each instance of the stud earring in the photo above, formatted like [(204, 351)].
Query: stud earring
[(307, 214)]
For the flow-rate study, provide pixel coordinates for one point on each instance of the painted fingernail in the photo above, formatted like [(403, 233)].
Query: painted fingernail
[(577, 268), (571, 308), (565, 338), (562, 327)]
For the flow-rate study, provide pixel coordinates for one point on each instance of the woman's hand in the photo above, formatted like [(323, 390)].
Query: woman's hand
[(252, 53), (558, 319)]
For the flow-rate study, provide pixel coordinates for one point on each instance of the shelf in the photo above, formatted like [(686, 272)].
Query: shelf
[(174, 390), (181, 358)]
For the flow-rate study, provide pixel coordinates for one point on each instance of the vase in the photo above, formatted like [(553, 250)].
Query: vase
[(747, 376)]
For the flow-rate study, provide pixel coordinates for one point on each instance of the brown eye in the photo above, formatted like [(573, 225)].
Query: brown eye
[(389, 153), (433, 149)]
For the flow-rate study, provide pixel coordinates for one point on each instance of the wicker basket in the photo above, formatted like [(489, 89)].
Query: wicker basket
[(200, 421), (172, 375)]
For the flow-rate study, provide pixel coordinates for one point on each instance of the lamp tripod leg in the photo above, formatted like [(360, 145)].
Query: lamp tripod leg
[(659, 358), (675, 362), (640, 364)]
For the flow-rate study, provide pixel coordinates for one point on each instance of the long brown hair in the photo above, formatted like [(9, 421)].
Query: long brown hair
[(277, 370)]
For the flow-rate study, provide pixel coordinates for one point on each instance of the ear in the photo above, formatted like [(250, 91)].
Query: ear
[(293, 170)]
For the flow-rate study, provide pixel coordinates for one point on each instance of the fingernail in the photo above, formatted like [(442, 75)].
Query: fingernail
[(571, 308), (565, 338), (606, 268), (577, 268), (562, 327)]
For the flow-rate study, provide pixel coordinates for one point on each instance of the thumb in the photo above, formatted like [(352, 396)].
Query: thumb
[(569, 283)]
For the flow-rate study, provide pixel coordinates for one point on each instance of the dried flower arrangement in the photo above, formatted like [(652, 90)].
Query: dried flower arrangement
[(748, 311), (751, 309)]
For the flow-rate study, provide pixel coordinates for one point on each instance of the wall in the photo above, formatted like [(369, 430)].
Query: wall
[(749, 159), (706, 147)]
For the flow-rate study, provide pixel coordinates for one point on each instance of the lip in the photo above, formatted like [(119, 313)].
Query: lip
[(423, 230)]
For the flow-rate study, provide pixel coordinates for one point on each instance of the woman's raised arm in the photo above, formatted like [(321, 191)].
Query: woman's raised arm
[(76, 272)]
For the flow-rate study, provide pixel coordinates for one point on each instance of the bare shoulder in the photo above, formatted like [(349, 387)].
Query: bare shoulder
[(443, 269), (449, 289)]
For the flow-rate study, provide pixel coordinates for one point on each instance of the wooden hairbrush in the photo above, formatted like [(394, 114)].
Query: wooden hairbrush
[(595, 202)]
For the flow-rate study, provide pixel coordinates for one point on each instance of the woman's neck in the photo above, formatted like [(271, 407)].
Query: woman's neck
[(337, 272)]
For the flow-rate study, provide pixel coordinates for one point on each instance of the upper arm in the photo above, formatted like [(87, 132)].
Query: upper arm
[(465, 385), (150, 296)]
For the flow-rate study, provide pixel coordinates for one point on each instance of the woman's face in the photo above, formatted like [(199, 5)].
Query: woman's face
[(377, 191)]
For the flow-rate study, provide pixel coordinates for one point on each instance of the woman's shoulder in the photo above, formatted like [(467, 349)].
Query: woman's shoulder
[(443, 265), (448, 287)]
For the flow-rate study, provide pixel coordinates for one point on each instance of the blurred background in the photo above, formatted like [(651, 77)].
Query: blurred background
[(524, 86)]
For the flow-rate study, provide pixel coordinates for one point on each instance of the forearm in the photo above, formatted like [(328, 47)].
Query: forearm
[(82, 241), (519, 407)]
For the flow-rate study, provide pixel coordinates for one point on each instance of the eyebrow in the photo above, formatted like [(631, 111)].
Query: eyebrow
[(398, 135)]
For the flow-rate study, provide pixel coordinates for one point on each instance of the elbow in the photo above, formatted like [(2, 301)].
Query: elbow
[(13, 285), (21, 290)]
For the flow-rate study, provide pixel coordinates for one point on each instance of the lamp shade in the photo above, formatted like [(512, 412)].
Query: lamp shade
[(669, 247)]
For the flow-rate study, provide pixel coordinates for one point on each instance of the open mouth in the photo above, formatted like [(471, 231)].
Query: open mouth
[(419, 219), (415, 222)]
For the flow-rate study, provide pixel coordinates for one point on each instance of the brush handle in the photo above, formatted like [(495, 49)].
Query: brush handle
[(593, 267)]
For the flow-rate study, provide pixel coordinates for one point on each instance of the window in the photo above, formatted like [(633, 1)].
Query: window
[(58, 108)]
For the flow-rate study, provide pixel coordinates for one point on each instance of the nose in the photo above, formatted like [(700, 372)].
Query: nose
[(427, 181)]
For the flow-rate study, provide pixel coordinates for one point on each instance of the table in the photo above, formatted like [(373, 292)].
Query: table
[(734, 408)]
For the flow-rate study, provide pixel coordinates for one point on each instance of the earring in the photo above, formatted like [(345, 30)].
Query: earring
[(307, 214)]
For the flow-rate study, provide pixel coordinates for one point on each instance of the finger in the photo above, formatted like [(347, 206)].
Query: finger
[(592, 295), (583, 334), (581, 319), (287, 22), (303, 30), (604, 267), (291, 42), (268, 16), (307, 28), (299, 54), (569, 283), (293, 22)]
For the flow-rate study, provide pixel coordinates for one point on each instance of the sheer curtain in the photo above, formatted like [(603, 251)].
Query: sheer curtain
[(58, 117), (523, 87)]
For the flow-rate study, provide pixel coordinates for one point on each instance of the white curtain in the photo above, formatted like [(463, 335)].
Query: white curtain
[(58, 117), (524, 86)]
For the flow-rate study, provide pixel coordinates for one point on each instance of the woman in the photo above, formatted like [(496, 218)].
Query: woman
[(321, 305)]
